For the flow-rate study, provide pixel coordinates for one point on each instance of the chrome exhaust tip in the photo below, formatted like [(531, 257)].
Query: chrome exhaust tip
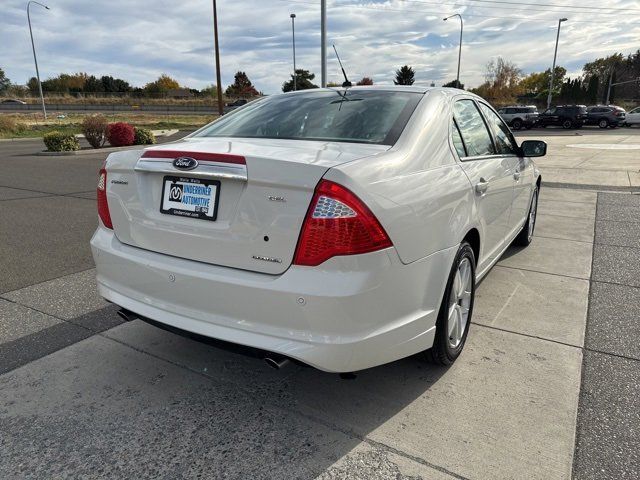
[(127, 315), (277, 362)]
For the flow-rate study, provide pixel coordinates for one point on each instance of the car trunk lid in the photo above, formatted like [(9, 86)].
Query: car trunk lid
[(260, 190)]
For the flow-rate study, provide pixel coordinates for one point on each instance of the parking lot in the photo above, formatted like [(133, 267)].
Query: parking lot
[(546, 388)]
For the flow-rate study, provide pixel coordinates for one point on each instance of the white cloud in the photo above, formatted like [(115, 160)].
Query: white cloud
[(138, 40)]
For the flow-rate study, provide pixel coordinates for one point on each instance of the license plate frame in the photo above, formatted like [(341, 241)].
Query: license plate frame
[(197, 213)]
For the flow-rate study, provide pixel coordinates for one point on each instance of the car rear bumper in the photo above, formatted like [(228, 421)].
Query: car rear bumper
[(348, 314)]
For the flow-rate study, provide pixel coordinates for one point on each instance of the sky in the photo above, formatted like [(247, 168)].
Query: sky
[(138, 40)]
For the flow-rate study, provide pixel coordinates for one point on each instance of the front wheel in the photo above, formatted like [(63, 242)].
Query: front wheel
[(567, 124), (526, 234), (603, 123), (516, 124), (454, 317)]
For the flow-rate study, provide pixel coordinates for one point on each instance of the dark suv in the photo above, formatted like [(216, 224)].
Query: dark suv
[(605, 116), (565, 116)]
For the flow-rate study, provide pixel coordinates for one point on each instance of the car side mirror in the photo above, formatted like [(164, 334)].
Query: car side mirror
[(533, 148)]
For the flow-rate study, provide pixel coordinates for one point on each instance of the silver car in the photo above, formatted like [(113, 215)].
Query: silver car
[(341, 228), (518, 117)]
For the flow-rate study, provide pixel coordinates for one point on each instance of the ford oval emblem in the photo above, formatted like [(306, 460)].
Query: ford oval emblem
[(185, 163)]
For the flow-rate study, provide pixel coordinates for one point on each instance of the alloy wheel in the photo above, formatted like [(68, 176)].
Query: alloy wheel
[(460, 303)]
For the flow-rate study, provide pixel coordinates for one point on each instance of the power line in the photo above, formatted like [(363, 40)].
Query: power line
[(511, 8), (559, 6), (440, 13)]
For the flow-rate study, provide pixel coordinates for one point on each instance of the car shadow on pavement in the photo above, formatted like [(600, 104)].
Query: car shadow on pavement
[(139, 401)]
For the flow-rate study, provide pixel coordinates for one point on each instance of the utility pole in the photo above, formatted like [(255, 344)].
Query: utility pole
[(553, 68), (293, 34), (609, 88), (323, 42), (217, 51), (35, 59)]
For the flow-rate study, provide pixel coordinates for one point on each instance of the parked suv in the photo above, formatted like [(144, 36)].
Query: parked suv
[(605, 116), (565, 116), (519, 116)]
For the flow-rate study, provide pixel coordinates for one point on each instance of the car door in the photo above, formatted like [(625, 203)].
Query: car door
[(521, 167), (549, 117), (491, 177), (633, 116)]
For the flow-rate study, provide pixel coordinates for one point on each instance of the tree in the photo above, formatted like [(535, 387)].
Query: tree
[(32, 85), (303, 81), (110, 84), (93, 85), (241, 86), (163, 84), (365, 81), (211, 91), (592, 89), (5, 83), (404, 76), (454, 84), (502, 82)]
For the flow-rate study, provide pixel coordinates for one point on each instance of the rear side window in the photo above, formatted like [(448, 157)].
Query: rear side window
[(504, 140), (474, 132)]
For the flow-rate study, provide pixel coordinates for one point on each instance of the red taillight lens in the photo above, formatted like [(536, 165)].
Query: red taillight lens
[(103, 206), (337, 223)]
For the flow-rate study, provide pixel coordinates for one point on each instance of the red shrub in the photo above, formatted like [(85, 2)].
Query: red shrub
[(120, 134)]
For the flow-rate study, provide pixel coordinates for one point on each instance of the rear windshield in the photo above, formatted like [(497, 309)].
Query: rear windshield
[(359, 116)]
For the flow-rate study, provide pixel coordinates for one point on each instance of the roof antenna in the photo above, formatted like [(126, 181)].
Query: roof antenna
[(346, 82)]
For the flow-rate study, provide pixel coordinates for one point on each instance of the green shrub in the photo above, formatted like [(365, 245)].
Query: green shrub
[(143, 136), (94, 128), (61, 142)]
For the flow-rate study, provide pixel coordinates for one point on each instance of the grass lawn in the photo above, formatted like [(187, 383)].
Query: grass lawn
[(33, 125)]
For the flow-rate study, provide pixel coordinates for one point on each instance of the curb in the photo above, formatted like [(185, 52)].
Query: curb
[(157, 133), (585, 186), (89, 151)]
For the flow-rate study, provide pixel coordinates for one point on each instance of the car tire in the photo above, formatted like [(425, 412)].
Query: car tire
[(516, 124), (567, 124), (603, 123), (525, 236), (454, 317)]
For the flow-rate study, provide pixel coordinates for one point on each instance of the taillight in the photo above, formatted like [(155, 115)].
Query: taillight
[(337, 223), (103, 206)]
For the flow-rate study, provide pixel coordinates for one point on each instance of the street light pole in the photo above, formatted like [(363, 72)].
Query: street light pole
[(217, 53), (293, 34), (35, 59), (460, 47), (323, 42), (553, 69)]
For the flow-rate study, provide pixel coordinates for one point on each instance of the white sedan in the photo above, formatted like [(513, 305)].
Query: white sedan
[(342, 228), (633, 117)]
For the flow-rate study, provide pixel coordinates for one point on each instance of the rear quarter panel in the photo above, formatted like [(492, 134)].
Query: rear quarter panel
[(417, 190)]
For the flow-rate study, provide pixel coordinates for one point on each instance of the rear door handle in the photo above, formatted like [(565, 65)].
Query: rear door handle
[(482, 186), (516, 175)]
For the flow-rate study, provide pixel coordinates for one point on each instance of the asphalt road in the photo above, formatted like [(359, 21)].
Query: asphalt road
[(547, 387)]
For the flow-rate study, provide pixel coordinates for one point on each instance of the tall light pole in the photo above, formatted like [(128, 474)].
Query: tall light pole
[(35, 59), (293, 34), (460, 47), (217, 52), (553, 69), (323, 42)]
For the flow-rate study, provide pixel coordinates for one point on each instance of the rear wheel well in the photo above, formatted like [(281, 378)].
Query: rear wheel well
[(473, 237)]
